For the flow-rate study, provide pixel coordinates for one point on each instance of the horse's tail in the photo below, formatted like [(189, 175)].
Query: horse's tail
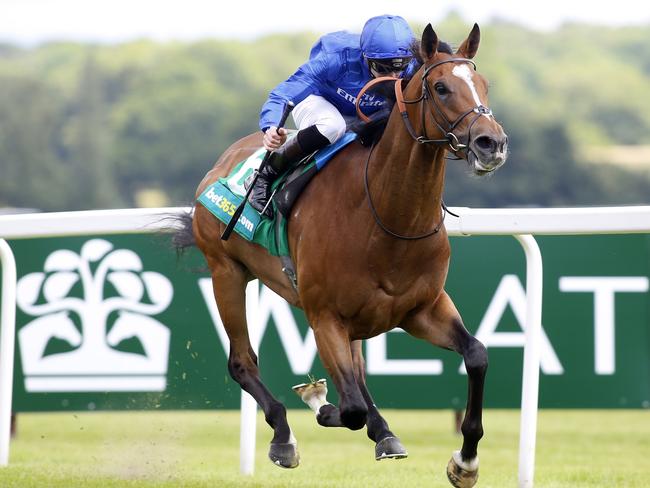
[(183, 237)]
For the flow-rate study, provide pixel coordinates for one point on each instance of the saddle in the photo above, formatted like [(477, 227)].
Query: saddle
[(290, 185), (223, 196)]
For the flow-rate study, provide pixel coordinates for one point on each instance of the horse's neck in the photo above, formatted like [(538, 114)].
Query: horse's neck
[(406, 180)]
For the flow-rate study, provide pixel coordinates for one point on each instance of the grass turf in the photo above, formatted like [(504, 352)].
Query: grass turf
[(575, 448)]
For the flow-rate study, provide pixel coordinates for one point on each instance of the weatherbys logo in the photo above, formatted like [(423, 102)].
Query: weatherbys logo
[(104, 340)]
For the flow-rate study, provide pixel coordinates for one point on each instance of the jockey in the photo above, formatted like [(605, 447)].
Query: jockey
[(324, 92)]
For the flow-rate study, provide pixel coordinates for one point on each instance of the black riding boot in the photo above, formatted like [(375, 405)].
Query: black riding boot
[(261, 192), (295, 149)]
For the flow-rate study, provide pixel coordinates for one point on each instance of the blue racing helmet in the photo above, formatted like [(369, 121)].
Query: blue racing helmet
[(386, 43), (386, 36)]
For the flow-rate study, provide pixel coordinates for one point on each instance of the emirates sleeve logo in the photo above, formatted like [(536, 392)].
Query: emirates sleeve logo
[(93, 326)]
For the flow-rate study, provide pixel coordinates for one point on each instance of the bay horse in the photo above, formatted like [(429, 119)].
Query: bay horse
[(371, 253)]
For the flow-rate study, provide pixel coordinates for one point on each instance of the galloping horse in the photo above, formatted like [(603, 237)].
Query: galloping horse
[(371, 252)]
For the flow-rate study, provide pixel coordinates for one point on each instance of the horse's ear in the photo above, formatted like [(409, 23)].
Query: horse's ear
[(429, 43), (470, 45)]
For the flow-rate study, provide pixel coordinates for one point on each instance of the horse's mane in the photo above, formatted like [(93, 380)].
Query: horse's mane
[(443, 47), (369, 132)]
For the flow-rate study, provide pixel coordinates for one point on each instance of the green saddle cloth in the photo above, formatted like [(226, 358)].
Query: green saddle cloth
[(223, 197)]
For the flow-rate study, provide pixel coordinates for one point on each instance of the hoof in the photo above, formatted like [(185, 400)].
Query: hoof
[(308, 390), (299, 389), (390, 448), (284, 455), (313, 394), (462, 474)]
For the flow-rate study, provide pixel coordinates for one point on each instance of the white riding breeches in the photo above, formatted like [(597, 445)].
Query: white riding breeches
[(315, 110)]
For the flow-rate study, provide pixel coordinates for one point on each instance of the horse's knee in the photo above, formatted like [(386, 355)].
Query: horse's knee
[(475, 357), (354, 416)]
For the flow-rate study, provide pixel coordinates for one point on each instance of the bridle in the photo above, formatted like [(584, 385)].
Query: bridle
[(450, 139), (426, 98)]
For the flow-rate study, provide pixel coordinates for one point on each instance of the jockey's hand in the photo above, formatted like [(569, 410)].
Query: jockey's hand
[(274, 138)]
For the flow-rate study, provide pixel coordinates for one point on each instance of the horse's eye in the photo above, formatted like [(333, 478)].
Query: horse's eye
[(440, 89)]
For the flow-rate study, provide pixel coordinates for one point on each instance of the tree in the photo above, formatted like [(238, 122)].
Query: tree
[(32, 172), (88, 141)]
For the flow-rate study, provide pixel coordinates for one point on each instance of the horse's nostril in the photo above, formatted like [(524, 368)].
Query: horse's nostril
[(503, 144), (486, 144)]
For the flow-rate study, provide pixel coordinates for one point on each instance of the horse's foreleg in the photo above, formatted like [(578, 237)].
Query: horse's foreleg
[(334, 348), (387, 445), (441, 325), (229, 290)]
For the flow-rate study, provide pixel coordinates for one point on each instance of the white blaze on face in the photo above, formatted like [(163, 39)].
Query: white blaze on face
[(464, 72)]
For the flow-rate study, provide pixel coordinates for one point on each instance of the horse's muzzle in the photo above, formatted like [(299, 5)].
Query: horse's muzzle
[(488, 152)]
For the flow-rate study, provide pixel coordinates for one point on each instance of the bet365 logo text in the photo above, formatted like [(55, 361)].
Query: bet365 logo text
[(94, 329)]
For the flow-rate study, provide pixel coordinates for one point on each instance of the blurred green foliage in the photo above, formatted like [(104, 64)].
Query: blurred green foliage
[(89, 126)]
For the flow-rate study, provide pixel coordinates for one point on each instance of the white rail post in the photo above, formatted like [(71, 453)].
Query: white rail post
[(530, 380), (7, 334), (248, 424)]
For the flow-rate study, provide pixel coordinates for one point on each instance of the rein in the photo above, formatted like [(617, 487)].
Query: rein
[(383, 227)]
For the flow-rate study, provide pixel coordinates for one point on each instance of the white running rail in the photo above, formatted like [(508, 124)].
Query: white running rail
[(7, 334), (520, 223)]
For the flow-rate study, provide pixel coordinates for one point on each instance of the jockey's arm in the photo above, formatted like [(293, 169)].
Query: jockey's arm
[(304, 82)]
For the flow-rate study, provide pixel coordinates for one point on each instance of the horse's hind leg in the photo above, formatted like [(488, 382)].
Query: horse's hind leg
[(387, 445), (229, 283), (441, 325)]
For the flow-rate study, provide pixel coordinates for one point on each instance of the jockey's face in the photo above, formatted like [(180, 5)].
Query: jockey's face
[(388, 67), (393, 74)]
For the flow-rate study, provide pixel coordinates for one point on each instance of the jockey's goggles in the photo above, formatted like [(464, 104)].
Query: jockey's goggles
[(389, 65)]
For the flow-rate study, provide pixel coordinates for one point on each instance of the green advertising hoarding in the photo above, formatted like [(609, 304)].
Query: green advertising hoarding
[(118, 322)]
